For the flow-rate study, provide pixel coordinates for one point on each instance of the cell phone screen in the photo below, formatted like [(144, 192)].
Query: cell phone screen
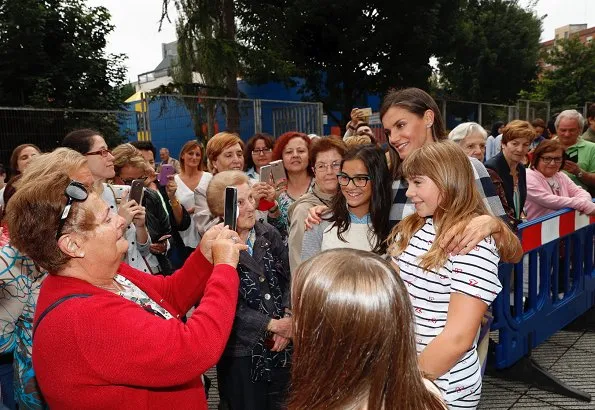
[(230, 212), (137, 189)]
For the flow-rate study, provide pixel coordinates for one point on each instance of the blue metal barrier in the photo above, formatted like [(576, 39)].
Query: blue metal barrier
[(552, 286)]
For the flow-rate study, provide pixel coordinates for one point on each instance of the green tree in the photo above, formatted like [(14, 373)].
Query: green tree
[(345, 50), (53, 55), (568, 77), (494, 52)]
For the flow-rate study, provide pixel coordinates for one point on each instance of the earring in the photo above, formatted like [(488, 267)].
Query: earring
[(429, 125)]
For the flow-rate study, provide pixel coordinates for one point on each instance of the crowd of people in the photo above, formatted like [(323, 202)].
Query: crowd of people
[(357, 276)]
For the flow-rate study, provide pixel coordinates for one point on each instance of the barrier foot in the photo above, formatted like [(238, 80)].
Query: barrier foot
[(530, 372)]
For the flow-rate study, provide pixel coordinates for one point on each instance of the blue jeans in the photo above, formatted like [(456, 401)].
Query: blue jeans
[(6, 381)]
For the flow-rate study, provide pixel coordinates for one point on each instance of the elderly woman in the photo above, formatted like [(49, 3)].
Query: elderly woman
[(101, 164), (254, 370), (129, 164), (225, 153), (507, 171), (107, 335), (549, 189), (21, 279), (326, 155), (472, 138)]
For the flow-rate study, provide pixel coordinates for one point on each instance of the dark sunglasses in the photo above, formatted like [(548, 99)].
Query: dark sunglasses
[(129, 181), (75, 191)]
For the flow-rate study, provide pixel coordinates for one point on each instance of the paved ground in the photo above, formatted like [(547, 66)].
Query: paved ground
[(569, 355)]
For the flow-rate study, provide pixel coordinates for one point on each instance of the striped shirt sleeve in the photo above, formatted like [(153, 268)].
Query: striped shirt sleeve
[(476, 274)]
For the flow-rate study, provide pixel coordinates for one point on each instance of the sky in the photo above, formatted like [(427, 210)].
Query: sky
[(137, 34)]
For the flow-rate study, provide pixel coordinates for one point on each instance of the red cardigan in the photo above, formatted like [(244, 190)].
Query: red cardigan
[(105, 352)]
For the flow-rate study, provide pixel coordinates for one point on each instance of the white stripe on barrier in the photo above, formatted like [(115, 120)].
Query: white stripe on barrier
[(581, 220), (550, 230)]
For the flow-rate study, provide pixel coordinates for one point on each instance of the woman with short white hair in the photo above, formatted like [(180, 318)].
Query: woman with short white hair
[(472, 138)]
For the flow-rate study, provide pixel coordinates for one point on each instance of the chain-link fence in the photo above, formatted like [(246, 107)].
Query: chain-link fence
[(174, 119), (47, 127), (529, 110)]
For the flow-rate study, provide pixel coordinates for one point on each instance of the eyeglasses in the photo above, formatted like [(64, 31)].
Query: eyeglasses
[(103, 152), (261, 151), (75, 191), (359, 181), (129, 181), (549, 160), (321, 166)]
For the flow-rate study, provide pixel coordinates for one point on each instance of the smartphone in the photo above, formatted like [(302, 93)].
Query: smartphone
[(137, 190), (278, 170), (365, 112), (164, 238), (573, 157), (166, 170), (266, 174), (230, 211), (119, 191)]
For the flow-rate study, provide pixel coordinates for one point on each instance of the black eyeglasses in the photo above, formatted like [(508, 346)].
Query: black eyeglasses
[(75, 191), (359, 180), (103, 152)]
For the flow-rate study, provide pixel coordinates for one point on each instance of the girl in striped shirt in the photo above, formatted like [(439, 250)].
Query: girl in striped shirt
[(449, 293)]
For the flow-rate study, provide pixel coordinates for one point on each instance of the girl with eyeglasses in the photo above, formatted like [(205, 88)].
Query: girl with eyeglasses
[(549, 189), (356, 218)]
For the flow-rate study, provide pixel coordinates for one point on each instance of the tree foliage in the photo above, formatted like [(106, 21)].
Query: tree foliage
[(494, 52), (53, 55), (344, 50), (568, 77)]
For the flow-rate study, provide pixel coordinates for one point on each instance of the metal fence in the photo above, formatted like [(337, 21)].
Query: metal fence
[(174, 119), (47, 127)]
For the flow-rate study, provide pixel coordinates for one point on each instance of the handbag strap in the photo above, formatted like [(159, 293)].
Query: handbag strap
[(55, 305)]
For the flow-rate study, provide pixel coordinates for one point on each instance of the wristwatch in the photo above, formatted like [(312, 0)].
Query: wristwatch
[(580, 174)]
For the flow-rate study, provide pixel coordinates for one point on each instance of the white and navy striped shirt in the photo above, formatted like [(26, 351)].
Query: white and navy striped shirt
[(474, 274)]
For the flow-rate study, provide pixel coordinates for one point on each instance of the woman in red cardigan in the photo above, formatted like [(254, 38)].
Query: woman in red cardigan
[(107, 336)]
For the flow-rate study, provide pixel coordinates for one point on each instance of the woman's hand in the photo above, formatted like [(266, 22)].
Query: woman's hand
[(139, 214), (571, 167), (281, 327), (280, 186), (262, 190), (314, 216), (228, 245), (461, 238), (171, 187), (158, 248), (280, 343)]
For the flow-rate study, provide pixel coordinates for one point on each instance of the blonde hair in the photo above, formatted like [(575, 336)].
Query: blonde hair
[(128, 154), (61, 160), (218, 143), (216, 189), (448, 167)]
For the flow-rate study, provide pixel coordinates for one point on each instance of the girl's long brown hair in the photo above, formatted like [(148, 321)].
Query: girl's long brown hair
[(450, 169), (354, 336)]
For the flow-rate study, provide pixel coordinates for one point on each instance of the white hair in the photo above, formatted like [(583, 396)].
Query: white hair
[(465, 129), (573, 115)]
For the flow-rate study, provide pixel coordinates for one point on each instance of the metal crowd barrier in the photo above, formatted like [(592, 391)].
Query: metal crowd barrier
[(553, 285)]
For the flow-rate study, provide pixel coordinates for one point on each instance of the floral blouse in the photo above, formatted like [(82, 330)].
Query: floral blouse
[(282, 221)]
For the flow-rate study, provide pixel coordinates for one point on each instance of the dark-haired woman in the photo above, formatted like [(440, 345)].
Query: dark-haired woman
[(494, 141), (257, 153), (357, 218)]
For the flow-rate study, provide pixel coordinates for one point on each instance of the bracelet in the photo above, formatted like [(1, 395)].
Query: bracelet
[(274, 209), (174, 202)]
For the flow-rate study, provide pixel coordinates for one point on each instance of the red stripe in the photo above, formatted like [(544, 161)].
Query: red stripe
[(531, 237), (567, 223)]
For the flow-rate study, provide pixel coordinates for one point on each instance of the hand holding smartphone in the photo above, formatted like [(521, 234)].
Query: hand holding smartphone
[(137, 190), (166, 170)]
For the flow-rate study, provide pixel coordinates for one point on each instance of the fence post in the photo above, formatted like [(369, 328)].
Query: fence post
[(479, 114), (257, 104), (319, 122), (146, 117)]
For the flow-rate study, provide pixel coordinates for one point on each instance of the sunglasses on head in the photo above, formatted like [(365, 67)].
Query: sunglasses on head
[(75, 191)]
